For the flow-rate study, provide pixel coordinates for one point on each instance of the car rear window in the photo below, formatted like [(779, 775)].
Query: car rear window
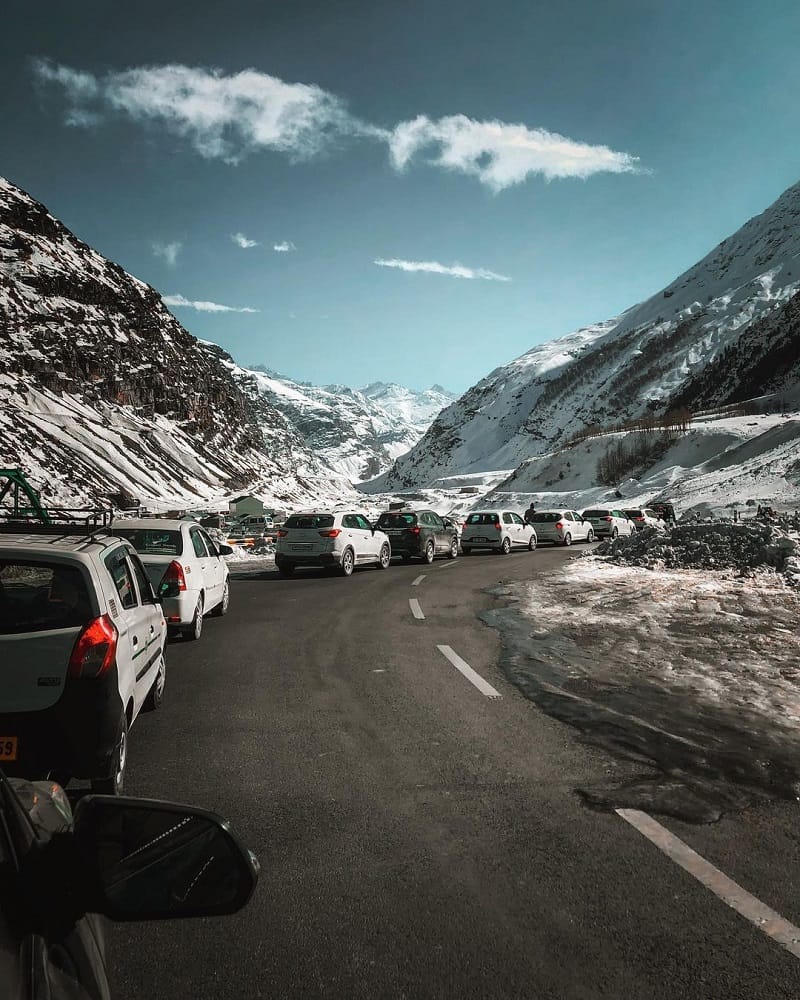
[(544, 517), (309, 521), (482, 519), (600, 512), (634, 513), (153, 541), (392, 519), (41, 597)]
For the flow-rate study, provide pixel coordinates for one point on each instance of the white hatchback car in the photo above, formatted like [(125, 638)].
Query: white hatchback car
[(498, 530), (561, 526), (186, 568), (609, 522), (82, 643), (332, 539)]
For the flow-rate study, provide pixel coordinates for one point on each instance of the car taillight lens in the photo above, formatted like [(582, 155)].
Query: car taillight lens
[(638, 519), (559, 525), (464, 526), (415, 530), (281, 533), (332, 533), (173, 581), (94, 650), (608, 518), (498, 527)]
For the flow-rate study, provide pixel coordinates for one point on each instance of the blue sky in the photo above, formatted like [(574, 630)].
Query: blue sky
[(548, 164)]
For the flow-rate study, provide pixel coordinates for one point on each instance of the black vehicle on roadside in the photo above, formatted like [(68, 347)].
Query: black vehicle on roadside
[(420, 534), (665, 510)]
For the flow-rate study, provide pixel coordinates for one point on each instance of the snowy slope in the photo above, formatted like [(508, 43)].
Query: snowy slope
[(102, 390), (359, 433), (656, 355)]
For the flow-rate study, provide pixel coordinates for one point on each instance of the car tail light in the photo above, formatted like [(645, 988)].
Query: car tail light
[(94, 650), (608, 518), (559, 525), (331, 533), (498, 526), (638, 519), (281, 533), (173, 579), (464, 526), (415, 530)]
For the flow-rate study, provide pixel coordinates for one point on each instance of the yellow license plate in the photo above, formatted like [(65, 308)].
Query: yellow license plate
[(8, 747)]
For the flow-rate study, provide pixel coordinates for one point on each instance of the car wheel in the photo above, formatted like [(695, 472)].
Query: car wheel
[(453, 552), (430, 552), (156, 693), (531, 543), (568, 539), (195, 630), (614, 534), (114, 784), (348, 562), (505, 546), (222, 608), (385, 558), (590, 536), (285, 570)]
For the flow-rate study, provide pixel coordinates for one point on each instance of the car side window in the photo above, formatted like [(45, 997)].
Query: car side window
[(508, 519), (349, 521), (363, 523), (198, 544), (117, 566), (212, 548), (436, 521), (142, 582)]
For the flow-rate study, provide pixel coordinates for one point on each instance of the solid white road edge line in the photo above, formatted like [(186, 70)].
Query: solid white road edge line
[(483, 686), (416, 610), (418, 581), (739, 899)]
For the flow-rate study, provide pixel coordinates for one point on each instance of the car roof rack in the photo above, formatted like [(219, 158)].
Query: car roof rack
[(63, 521)]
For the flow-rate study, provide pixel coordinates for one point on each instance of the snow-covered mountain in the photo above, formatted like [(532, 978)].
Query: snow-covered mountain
[(102, 390), (726, 330), (358, 432)]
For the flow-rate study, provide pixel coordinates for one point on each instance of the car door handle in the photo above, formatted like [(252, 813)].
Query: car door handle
[(152, 629), (135, 640)]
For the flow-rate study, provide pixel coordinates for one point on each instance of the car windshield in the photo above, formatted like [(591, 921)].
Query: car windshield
[(600, 512), (545, 517), (153, 541), (41, 597), (482, 519), (394, 519), (309, 521)]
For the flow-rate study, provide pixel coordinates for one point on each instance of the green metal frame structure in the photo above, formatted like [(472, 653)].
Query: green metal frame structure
[(13, 482)]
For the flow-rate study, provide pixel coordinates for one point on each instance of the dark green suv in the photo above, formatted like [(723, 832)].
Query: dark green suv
[(422, 534)]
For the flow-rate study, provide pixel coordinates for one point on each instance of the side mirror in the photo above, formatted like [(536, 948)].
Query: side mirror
[(224, 550), (151, 860)]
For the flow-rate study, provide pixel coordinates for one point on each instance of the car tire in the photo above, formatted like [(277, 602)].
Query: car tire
[(195, 630), (348, 563), (115, 783), (385, 557), (568, 539), (156, 693), (285, 570), (614, 533), (430, 552), (532, 543), (505, 546), (590, 536), (453, 551), (222, 608)]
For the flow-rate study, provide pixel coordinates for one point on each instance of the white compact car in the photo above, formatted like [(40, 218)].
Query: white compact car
[(561, 526), (644, 517), (609, 522), (186, 568), (498, 530), (82, 640), (334, 540)]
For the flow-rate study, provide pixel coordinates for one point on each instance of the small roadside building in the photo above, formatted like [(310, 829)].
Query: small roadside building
[(246, 505)]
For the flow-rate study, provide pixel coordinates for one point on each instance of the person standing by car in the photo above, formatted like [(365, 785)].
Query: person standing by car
[(528, 515)]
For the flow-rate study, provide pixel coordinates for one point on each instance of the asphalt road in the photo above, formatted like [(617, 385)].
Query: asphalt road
[(418, 838)]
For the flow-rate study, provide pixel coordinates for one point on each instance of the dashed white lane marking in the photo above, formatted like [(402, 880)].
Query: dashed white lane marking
[(416, 610), (418, 581), (483, 686), (448, 564), (739, 899)]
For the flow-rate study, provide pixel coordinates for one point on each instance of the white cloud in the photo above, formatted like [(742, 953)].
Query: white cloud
[(285, 247), (242, 241), (434, 267), (222, 115), (168, 251), (211, 307), (500, 154)]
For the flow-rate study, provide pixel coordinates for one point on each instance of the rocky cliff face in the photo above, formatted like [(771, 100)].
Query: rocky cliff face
[(725, 330), (102, 389)]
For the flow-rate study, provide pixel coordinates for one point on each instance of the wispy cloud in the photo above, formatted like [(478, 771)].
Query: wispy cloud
[(222, 115), (501, 154), (285, 247), (168, 251), (210, 307), (242, 241), (434, 267)]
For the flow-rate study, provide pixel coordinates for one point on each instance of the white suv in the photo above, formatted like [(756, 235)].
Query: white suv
[(561, 527), (82, 641), (498, 530), (335, 540), (609, 522)]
